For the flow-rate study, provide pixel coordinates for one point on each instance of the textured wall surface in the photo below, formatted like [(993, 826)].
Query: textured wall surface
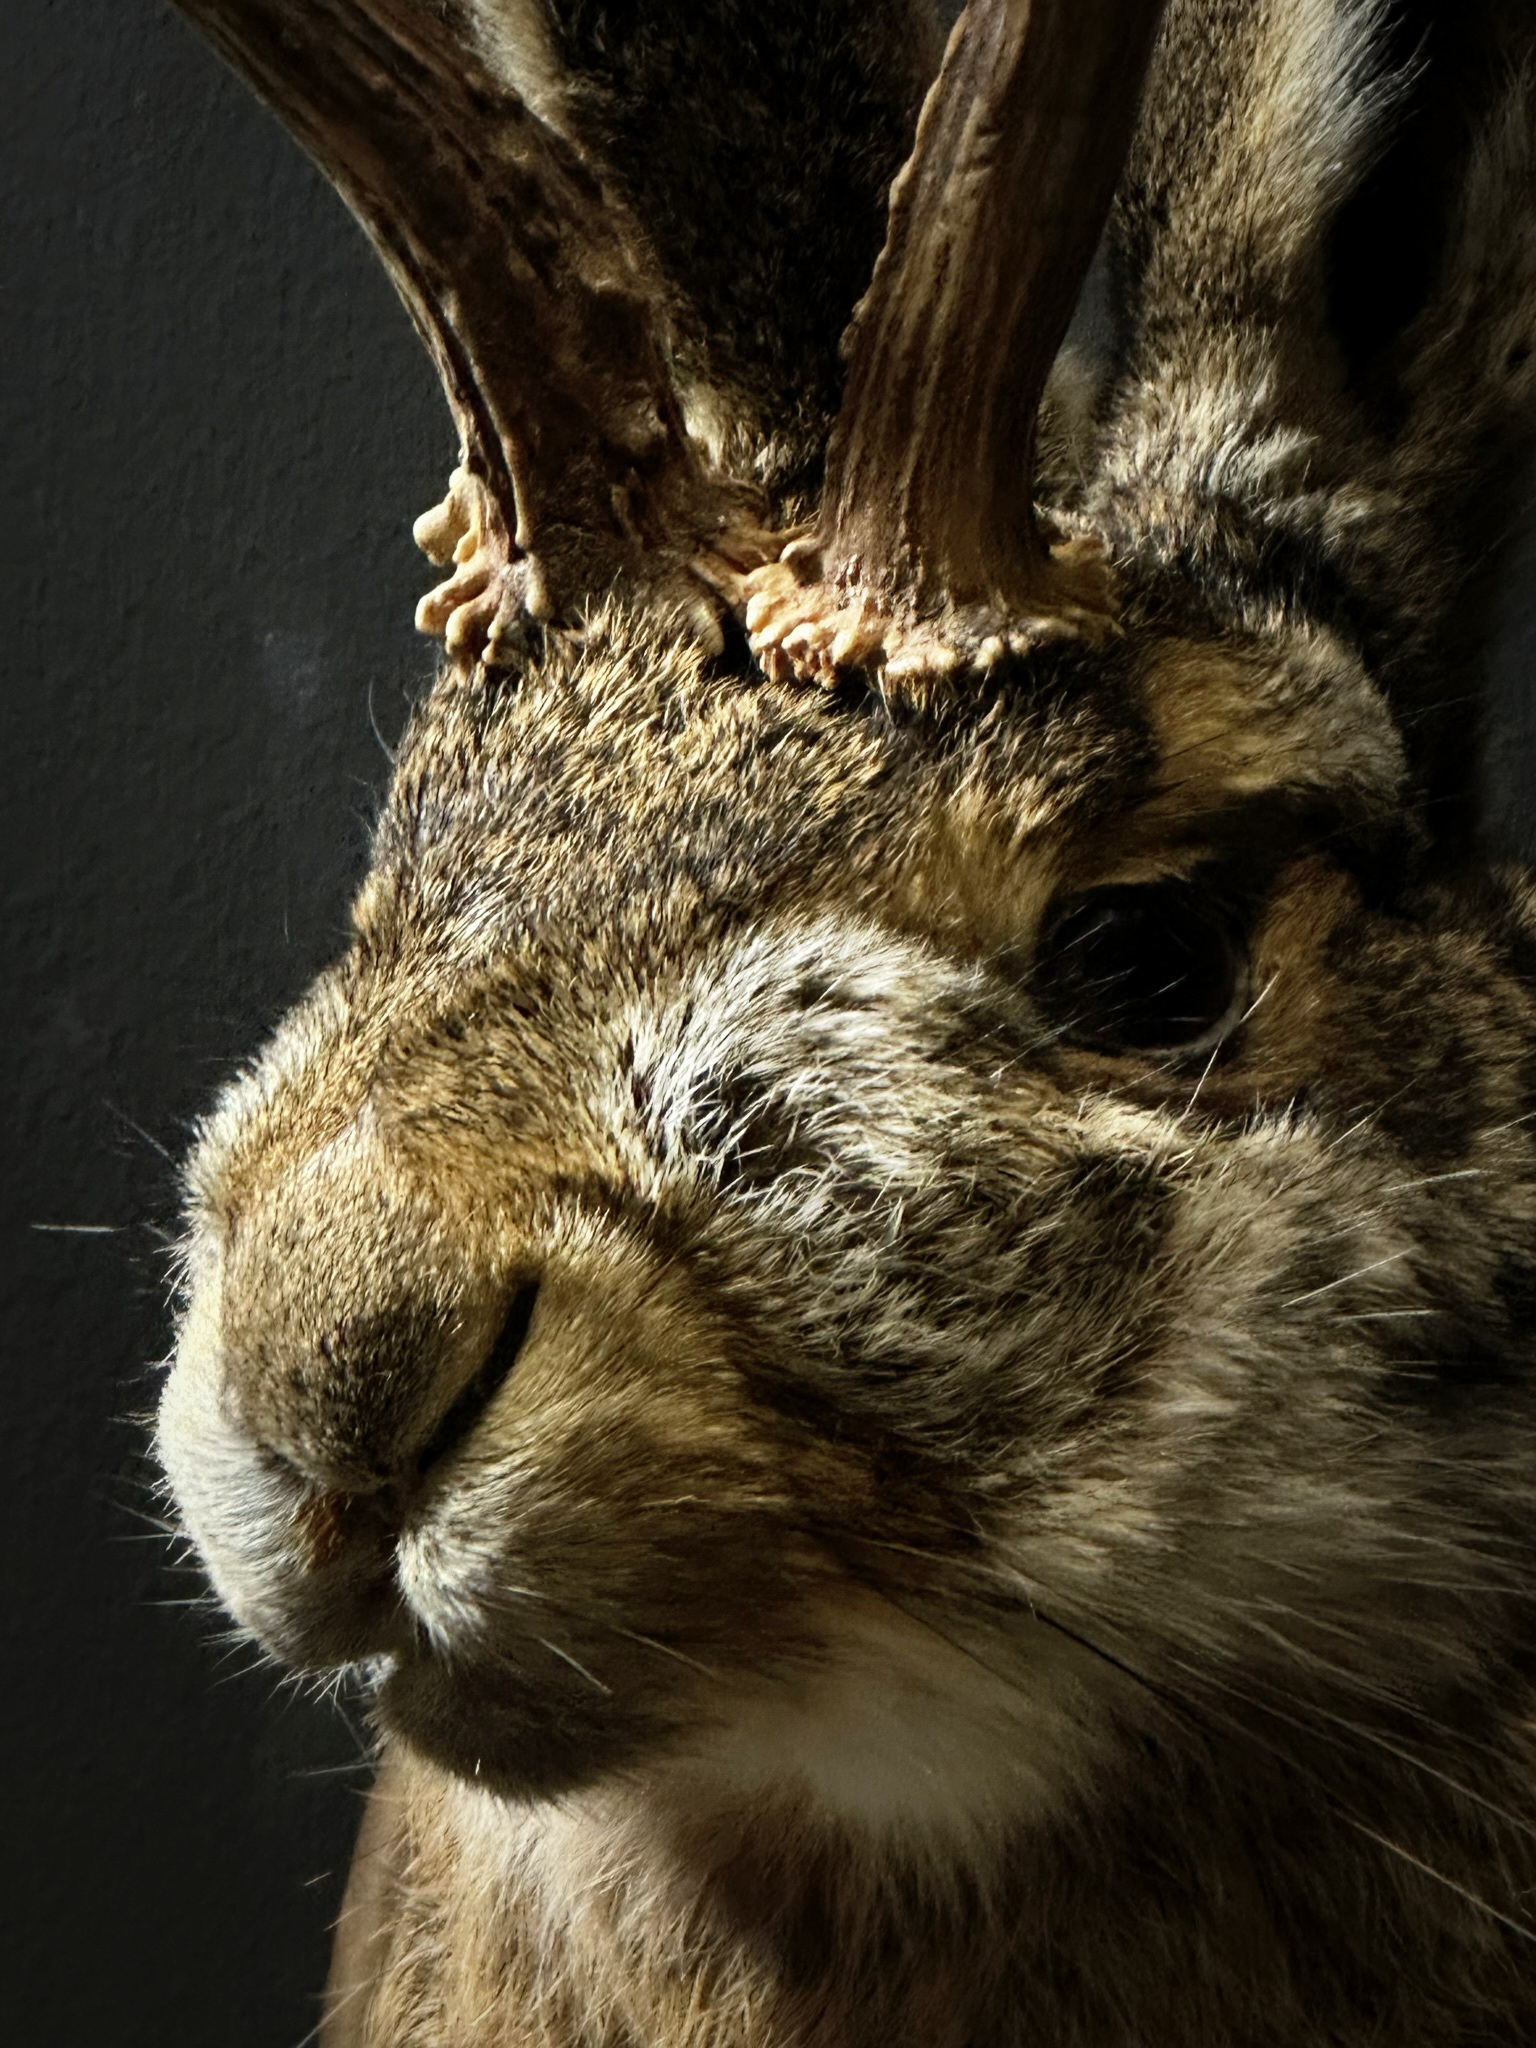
[(215, 425)]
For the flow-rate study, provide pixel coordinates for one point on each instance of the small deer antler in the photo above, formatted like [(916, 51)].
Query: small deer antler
[(927, 553), (531, 287)]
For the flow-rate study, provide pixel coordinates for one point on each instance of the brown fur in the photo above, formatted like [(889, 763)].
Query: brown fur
[(991, 1537)]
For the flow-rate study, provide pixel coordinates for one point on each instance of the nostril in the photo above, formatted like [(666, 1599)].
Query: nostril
[(481, 1390), (326, 1526)]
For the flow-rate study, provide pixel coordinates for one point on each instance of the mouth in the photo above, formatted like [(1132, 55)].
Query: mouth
[(525, 1726), (337, 1593)]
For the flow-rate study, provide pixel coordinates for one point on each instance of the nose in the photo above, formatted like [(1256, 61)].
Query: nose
[(364, 1325)]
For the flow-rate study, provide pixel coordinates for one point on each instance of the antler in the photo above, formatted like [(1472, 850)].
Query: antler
[(534, 291), (927, 552), (530, 286)]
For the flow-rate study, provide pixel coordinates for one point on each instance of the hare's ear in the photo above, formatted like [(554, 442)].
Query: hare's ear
[(536, 294), (927, 553), (755, 141)]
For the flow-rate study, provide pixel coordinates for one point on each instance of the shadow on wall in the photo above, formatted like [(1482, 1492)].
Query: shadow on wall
[(216, 424)]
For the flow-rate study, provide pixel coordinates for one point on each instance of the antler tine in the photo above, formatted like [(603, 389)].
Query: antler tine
[(529, 285), (927, 552)]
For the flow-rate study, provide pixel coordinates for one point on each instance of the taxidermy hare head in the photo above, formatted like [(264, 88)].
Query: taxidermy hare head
[(888, 1302)]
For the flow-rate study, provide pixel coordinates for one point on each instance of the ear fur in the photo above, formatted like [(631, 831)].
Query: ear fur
[(1263, 448), (755, 141)]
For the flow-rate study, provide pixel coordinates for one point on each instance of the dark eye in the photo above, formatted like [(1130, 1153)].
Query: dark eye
[(1150, 967)]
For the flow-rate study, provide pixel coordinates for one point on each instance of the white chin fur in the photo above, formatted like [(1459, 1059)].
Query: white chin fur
[(918, 1756), (905, 1732)]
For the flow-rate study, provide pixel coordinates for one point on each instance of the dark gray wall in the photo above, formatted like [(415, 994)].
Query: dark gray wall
[(214, 427)]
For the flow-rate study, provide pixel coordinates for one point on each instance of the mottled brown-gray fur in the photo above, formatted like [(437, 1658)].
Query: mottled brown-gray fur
[(991, 1538), (765, 208), (1362, 471)]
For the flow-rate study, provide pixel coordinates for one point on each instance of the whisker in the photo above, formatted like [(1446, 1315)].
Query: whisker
[(663, 1650), (1439, 1877), (1328, 1286), (943, 1635), (565, 1657), (333, 2007)]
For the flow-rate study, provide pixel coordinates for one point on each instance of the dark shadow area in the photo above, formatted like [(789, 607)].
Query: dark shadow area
[(216, 424)]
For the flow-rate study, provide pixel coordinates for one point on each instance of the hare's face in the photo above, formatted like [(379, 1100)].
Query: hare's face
[(889, 1299), (785, 1204)]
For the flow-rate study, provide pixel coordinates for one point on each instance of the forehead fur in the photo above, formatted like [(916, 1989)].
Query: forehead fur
[(618, 816), (620, 794)]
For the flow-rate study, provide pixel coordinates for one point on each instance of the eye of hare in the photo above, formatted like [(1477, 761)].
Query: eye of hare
[(1148, 967)]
